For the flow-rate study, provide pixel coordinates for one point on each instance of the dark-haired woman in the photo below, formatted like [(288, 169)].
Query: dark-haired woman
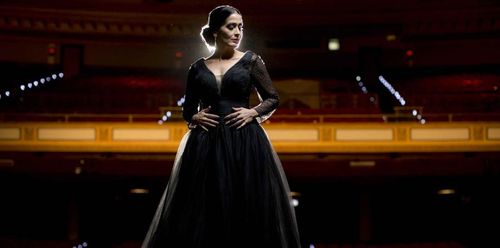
[(227, 187)]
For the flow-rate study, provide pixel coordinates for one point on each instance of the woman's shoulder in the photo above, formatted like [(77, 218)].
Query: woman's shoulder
[(196, 64), (252, 56), (198, 61), (255, 57)]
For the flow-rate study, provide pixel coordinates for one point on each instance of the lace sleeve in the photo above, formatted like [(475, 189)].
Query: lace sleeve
[(191, 97), (268, 96)]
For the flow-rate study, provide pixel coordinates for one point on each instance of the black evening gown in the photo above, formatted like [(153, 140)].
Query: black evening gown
[(227, 187)]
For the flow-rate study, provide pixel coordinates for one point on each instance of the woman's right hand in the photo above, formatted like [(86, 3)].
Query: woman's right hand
[(204, 119)]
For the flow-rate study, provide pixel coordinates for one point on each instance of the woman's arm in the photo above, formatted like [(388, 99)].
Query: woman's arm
[(190, 109), (191, 97), (267, 93)]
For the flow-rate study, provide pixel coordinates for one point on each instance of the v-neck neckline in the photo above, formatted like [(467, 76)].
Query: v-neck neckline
[(225, 73), (219, 87)]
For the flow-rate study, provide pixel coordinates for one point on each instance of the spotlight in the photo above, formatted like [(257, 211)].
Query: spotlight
[(7, 93), (139, 191), (30, 85), (22, 87), (333, 44), (169, 113), (390, 37), (35, 83), (446, 192), (61, 75), (54, 76)]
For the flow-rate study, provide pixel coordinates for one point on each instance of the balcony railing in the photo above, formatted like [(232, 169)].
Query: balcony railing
[(300, 117)]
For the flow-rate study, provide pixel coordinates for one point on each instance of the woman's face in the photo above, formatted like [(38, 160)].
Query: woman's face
[(231, 32)]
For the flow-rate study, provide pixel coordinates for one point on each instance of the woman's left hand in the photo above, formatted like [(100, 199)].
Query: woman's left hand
[(240, 117)]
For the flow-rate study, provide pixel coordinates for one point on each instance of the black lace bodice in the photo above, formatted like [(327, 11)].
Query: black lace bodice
[(236, 86)]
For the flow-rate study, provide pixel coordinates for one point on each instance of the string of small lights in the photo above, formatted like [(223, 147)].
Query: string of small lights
[(165, 117), (391, 89), (5, 93), (82, 245), (168, 114), (361, 85), (181, 101), (400, 98), (363, 88)]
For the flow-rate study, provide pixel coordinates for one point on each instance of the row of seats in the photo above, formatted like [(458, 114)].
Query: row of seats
[(460, 95), (457, 103), (451, 84), (111, 102), (334, 103)]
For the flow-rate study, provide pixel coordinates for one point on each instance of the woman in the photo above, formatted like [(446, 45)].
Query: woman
[(227, 187)]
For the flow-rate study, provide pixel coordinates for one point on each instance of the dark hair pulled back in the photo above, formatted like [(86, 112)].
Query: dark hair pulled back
[(216, 19)]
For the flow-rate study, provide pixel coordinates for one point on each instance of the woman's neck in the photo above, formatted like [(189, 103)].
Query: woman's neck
[(221, 53)]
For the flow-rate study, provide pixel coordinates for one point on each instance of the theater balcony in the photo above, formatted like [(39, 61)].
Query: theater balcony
[(388, 127)]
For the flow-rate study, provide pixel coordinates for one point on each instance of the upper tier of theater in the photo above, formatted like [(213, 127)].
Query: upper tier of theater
[(123, 58)]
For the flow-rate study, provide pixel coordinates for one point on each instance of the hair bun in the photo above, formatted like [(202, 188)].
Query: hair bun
[(207, 35)]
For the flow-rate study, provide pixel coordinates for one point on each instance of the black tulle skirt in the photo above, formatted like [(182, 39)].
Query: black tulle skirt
[(227, 189)]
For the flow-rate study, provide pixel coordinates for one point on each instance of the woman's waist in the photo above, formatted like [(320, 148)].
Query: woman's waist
[(224, 107), (221, 125)]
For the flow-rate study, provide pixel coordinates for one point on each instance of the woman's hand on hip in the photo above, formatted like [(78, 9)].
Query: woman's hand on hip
[(240, 117), (204, 119)]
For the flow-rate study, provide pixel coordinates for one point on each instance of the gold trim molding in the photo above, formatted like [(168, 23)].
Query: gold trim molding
[(285, 137)]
